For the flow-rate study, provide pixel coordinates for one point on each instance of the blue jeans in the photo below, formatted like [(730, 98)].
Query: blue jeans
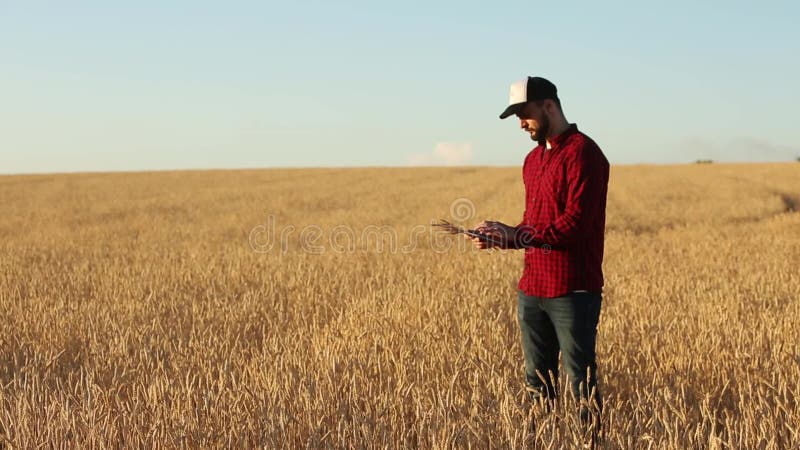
[(568, 324)]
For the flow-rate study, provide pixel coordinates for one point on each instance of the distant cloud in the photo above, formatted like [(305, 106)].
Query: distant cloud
[(741, 149), (764, 148), (444, 153)]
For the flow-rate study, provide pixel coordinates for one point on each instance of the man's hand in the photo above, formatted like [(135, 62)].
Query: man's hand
[(500, 235)]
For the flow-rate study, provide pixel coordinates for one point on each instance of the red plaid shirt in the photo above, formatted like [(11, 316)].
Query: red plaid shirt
[(565, 213)]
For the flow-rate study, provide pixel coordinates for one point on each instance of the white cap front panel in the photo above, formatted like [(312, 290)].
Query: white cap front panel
[(518, 92)]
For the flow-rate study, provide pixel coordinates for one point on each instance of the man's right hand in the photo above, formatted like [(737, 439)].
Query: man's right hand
[(494, 237)]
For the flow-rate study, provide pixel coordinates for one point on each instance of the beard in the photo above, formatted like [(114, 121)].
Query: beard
[(541, 131)]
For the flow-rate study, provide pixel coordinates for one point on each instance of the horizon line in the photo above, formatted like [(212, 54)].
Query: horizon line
[(357, 167)]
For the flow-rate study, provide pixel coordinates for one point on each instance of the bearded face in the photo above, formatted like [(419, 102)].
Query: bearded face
[(534, 121)]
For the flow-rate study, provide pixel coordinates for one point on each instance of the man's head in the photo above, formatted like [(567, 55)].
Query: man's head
[(535, 117), (536, 104)]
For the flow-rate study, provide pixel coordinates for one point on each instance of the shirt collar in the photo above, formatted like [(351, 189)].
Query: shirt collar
[(556, 141)]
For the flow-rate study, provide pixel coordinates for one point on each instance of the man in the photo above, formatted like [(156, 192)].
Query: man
[(562, 230)]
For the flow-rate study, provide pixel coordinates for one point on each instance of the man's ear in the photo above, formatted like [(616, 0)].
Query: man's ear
[(550, 105)]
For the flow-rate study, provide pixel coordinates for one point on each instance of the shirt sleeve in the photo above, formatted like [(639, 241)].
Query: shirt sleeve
[(587, 183)]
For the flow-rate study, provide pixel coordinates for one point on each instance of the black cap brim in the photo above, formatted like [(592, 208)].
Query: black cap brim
[(512, 109)]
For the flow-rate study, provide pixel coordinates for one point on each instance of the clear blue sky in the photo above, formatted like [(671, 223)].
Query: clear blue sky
[(88, 86)]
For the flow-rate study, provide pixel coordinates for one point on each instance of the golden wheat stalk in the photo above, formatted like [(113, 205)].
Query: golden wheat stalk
[(450, 228)]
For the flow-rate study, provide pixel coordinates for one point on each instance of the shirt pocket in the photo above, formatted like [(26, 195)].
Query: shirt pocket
[(553, 187)]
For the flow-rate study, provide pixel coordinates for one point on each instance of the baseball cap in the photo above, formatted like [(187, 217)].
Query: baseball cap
[(528, 90)]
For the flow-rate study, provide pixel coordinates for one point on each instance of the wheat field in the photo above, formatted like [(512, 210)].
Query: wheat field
[(313, 308)]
